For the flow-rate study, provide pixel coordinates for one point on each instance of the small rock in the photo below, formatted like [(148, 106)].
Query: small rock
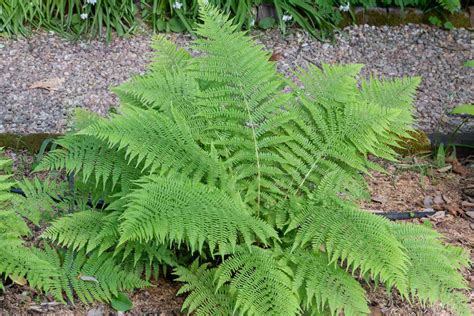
[(326, 46), (36, 308), (97, 311), (438, 215), (428, 201), (438, 200), (472, 226), (467, 204), (379, 199), (470, 214)]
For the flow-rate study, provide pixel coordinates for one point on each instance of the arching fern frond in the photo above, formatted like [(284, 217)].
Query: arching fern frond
[(92, 161), (440, 280), (259, 283), (203, 298), (201, 214), (396, 93), (153, 142), (361, 240), (90, 277), (19, 261), (77, 231), (240, 95), (326, 287)]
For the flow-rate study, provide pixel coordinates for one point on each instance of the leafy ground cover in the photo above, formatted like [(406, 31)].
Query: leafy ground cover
[(405, 189), (91, 18)]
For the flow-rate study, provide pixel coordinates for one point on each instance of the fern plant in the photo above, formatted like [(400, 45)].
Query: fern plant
[(211, 160), (66, 274)]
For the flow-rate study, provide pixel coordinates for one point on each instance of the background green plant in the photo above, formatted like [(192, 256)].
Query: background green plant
[(18, 17), (64, 17)]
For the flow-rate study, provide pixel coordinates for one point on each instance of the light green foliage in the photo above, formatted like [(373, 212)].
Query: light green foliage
[(464, 109), (326, 286), (203, 297), (427, 282), (88, 277), (209, 161), (19, 17)]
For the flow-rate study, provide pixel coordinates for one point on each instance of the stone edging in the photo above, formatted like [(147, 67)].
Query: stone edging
[(397, 16)]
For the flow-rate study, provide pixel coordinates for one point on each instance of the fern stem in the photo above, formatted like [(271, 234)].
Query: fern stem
[(257, 156)]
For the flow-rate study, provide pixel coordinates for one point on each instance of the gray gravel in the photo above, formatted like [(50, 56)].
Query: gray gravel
[(89, 69)]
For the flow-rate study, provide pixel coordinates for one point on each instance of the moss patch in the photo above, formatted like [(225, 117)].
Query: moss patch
[(397, 16), (29, 142)]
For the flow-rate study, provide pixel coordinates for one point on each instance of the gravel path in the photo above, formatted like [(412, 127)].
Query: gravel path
[(89, 69)]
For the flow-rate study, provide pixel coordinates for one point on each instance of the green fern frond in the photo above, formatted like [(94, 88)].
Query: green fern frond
[(76, 231), (92, 161), (42, 199), (19, 261), (393, 94), (433, 270), (324, 286), (168, 83), (240, 93), (163, 145), (167, 56), (203, 298), (361, 240), (89, 277), (201, 214), (259, 283), (450, 5), (160, 91)]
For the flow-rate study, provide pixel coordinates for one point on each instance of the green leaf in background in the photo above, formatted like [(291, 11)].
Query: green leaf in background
[(464, 109), (469, 63), (121, 303), (448, 25), (267, 22), (176, 25), (441, 156)]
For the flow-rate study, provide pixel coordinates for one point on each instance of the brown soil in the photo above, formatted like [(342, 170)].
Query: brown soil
[(409, 186)]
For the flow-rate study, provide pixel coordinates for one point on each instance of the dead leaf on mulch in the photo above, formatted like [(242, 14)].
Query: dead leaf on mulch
[(51, 84), (458, 168)]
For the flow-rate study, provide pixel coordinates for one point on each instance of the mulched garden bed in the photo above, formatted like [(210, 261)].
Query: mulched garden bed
[(411, 185)]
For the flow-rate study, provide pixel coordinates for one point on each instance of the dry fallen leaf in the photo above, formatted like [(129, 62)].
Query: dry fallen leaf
[(51, 84), (445, 169), (454, 210), (18, 280), (458, 168), (275, 56)]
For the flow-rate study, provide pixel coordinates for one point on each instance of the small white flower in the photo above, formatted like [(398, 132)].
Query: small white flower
[(84, 16), (177, 5), (345, 8), (205, 2), (286, 17), (252, 22), (91, 1)]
